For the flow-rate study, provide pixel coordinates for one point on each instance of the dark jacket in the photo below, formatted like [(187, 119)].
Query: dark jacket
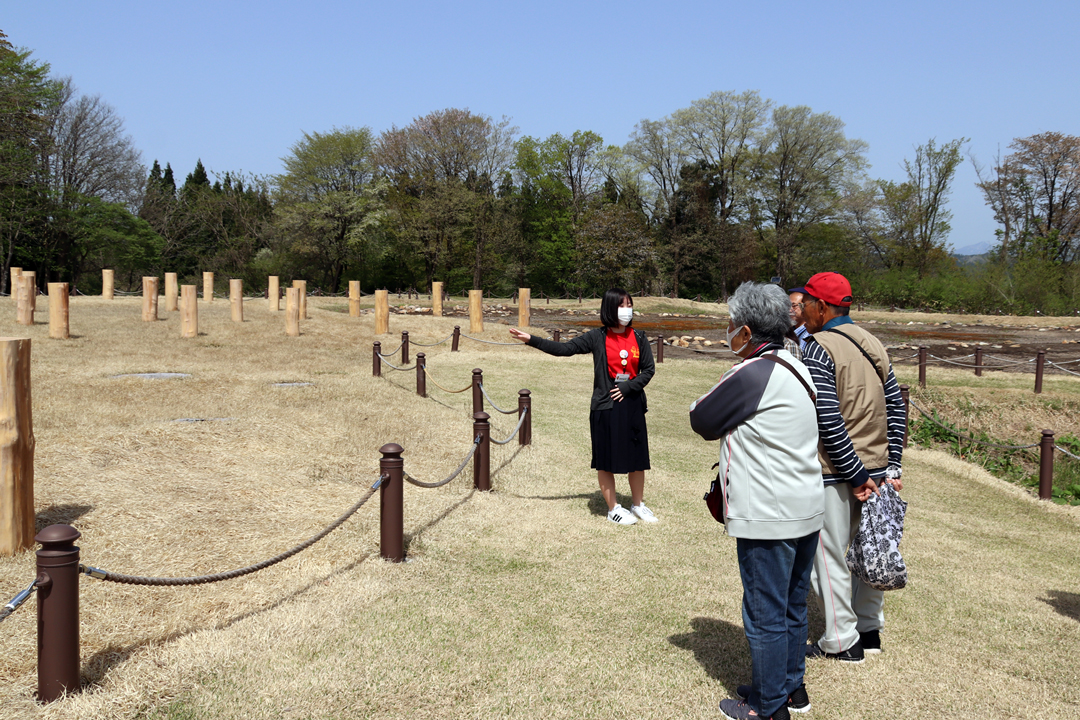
[(594, 342)]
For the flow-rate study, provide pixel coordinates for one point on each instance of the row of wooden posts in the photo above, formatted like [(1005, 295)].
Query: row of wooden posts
[(977, 366)]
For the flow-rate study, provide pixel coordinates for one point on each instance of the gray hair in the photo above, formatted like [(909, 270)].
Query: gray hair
[(765, 309)]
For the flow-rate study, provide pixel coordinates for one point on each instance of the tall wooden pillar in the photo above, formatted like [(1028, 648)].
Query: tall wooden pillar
[(107, 284), (236, 299), (273, 293), (524, 307), (292, 312), (16, 448), (354, 298), (58, 311), (476, 311), (149, 299), (189, 311), (382, 312), (301, 297), (172, 291), (436, 299), (208, 286)]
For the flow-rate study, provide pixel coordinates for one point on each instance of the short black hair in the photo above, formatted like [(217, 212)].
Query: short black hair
[(609, 306)]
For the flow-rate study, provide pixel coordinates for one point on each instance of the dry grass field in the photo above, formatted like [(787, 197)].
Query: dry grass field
[(523, 602)]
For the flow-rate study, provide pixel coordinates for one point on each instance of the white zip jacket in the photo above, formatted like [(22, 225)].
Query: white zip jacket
[(769, 469)]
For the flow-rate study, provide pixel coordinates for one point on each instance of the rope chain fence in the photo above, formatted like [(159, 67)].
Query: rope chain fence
[(968, 365), (1063, 450), (521, 421), (419, 483), (17, 601), (430, 344), (231, 574), (489, 342), (452, 392), (504, 412), (1064, 370), (392, 352), (968, 438), (395, 367)]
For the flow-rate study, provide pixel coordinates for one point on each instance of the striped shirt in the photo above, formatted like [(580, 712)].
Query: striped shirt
[(831, 427)]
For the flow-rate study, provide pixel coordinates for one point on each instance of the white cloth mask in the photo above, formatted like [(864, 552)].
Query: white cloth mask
[(625, 315), (731, 336)]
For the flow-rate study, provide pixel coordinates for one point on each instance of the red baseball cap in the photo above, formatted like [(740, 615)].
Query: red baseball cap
[(832, 287)]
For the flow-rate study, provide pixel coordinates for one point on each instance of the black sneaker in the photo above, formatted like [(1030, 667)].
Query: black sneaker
[(798, 701), (739, 710), (853, 654), (871, 642)]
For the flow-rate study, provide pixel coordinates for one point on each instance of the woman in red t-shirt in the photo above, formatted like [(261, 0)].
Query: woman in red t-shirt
[(622, 367)]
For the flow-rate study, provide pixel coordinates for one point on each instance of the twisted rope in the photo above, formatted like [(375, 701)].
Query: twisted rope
[(968, 437), (504, 412), (969, 365), (1069, 362), (1061, 449), (202, 579), (489, 342), (392, 352), (521, 421), (418, 483), (395, 367), (1064, 370), (434, 343), (452, 392), (1010, 361), (17, 601)]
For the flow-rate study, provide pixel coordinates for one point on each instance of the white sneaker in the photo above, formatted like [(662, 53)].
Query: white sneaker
[(618, 514), (644, 513)]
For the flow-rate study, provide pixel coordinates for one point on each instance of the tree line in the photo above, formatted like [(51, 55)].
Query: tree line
[(732, 188)]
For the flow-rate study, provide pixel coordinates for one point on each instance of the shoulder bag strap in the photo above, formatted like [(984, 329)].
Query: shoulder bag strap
[(785, 363), (877, 370)]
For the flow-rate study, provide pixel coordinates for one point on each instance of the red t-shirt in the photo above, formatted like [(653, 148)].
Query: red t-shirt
[(622, 353)]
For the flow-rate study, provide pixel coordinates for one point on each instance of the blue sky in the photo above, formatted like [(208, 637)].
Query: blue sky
[(235, 83)]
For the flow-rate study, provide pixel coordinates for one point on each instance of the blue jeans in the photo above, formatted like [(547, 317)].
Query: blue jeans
[(775, 578)]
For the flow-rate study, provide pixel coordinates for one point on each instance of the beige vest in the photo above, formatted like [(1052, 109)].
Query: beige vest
[(861, 392)]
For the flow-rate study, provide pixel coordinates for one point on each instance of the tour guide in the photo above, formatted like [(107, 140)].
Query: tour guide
[(861, 422), (622, 367), (762, 411)]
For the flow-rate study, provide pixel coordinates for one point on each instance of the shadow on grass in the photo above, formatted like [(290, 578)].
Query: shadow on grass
[(60, 514), (720, 648), (409, 537), (96, 667), (1066, 603)]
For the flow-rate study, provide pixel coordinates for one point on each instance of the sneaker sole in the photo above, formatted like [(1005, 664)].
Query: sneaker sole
[(791, 708), (869, 651)]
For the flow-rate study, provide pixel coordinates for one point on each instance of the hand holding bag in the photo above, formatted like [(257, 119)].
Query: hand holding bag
[(874, 553)]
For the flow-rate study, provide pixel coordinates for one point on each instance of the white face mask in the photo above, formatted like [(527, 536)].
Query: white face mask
[(625, 316), (731, 336)]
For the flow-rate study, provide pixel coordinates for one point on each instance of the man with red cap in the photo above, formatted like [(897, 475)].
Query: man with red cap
[(861, 426)]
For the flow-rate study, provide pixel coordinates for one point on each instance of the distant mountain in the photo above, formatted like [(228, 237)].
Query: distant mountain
[(979, 248)]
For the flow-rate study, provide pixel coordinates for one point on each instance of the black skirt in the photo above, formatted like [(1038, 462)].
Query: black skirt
[(620, 442)]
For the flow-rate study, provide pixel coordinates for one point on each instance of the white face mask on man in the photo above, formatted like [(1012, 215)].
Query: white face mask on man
[(731, 337), (625, 316)]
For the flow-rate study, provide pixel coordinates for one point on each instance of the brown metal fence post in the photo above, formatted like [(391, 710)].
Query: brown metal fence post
[(404, 347), (58, 612), (556, 335), (922, 366), (457, 338), (376, 361), (905, 396), (391, 500), (659, 348), (482, 458), (1046, 465), (421, 379), (1040, 362), (525, 407), (477, 393), (978, 362)]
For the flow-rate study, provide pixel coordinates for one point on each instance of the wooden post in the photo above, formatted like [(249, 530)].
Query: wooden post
[(236, 299), (436, 299), (292, 312), (273, 293), (477, 391), (376, 360), (978, 362), (16, 273), (476, 311), (16, 448), (149, 299), (208, 286), (457, 339), (391, 501), (659, 348), (58, 311), (30, 278), (172, 291), (382, 312), (421, 379), (404, 347), (354, 298), (482, 457), (189, 311), (525, 408), (1040, 363), (107, 284), (301, 297), (922, 366), (24, 311), (524, 307), (1046, 465)]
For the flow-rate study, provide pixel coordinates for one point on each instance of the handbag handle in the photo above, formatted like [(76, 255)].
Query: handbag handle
[(785, 363)]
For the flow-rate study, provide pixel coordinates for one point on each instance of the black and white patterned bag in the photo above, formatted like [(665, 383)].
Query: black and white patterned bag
[(874, 554)]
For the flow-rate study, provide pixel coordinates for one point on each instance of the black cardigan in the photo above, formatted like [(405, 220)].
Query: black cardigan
[(595, 341)]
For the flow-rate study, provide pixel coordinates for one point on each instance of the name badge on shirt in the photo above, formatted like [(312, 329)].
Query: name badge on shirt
[(622, 377)]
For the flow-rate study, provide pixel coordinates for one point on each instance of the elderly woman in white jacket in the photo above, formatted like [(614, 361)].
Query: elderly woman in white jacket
[(763, 412)]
